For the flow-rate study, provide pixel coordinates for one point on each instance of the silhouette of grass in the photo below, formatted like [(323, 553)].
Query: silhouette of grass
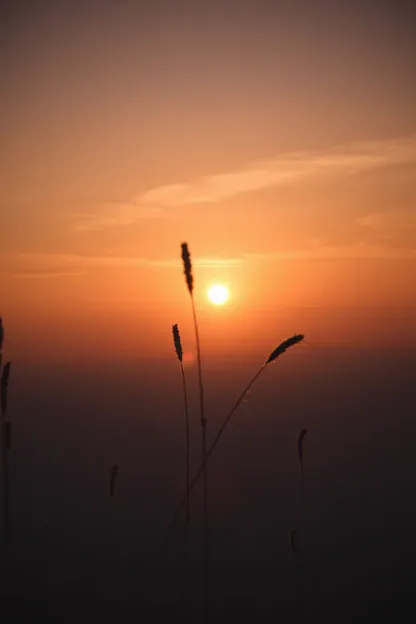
[(280, 349), (178, 348), (179, 352), (187, 265)]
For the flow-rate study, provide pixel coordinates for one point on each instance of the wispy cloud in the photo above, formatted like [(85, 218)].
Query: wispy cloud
[(371, 220), (44, 274), (284, 170), (345, 160), (389, 220), (114, 214), (353, 251), (40, 265), (49, 266)]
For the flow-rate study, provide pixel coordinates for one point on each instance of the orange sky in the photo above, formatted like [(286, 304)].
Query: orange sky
[(278, 140)]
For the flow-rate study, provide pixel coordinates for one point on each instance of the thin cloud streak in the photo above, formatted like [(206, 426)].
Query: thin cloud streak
[(114, 215), (354, 251), (345, 160), (389, 220), (45, 274), (59, 265)]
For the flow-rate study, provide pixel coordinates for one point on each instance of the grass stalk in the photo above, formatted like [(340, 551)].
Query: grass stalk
[(281, 348), (186, 258), (179, 352), (204, 462), (178, 348), (188, 470)]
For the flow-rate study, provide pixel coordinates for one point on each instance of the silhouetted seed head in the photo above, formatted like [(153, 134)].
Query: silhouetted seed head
[(187, 267), (4, 384), (300, 443), (283, 346), (177, 342), (113, 476)]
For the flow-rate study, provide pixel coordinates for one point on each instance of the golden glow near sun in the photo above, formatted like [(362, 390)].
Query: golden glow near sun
[(218, 294)]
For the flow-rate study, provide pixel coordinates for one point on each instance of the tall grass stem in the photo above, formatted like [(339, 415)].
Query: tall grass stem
[(187, 264), (187, 446), (201, 469), (275, 354)]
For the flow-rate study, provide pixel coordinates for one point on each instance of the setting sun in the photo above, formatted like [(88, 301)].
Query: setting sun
[(218, 294)]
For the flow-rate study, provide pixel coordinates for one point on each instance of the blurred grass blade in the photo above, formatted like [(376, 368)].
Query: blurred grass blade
[(278, 351)]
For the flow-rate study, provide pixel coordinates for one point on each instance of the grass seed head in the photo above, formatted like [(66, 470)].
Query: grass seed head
[(177, 342), (187, 267), (283, 346)]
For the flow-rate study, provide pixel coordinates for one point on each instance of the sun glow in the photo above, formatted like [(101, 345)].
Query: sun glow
[(218, 294)]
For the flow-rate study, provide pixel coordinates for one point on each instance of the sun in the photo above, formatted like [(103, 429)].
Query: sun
[(218, 294)]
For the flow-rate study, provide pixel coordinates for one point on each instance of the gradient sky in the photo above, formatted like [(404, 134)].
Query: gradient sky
[(277, 138)]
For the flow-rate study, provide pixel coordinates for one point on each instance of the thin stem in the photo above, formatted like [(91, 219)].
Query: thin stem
[(185, 395), (198, 353), (204, 460), (213, 445)]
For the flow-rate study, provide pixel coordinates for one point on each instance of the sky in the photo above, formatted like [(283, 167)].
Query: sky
[(278, 138)]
